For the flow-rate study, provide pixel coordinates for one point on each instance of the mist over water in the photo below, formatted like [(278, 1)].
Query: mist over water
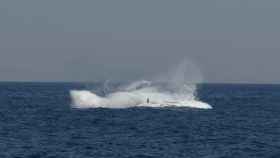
[(175, 88)]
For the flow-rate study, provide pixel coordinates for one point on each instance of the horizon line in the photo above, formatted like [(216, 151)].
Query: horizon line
[(59, 81)]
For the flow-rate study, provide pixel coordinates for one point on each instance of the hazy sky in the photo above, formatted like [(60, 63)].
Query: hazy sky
[(67, 40)]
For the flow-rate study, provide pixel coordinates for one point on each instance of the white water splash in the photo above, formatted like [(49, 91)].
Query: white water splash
[(175, 90)]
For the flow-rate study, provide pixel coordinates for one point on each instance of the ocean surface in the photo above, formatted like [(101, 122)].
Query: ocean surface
[(37, 121)]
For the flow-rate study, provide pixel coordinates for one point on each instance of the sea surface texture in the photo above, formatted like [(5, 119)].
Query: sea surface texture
[(37, 121)]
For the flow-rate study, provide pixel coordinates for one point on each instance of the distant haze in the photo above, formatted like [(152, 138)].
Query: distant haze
[(231, 41)]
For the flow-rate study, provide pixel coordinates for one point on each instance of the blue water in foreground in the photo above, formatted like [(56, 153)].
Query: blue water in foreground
[(36, 121)]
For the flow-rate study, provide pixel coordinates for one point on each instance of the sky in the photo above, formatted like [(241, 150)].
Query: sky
[(229, 41)]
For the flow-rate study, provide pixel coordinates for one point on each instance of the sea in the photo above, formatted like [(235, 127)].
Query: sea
[(38, 121)]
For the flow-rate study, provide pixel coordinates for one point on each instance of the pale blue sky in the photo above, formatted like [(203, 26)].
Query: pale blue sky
[(67, 40)]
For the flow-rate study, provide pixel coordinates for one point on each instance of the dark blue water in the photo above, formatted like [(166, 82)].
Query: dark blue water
[(36, 120)]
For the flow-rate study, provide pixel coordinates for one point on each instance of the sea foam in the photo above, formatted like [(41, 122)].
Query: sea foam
[(137, 94), (177, 89)]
